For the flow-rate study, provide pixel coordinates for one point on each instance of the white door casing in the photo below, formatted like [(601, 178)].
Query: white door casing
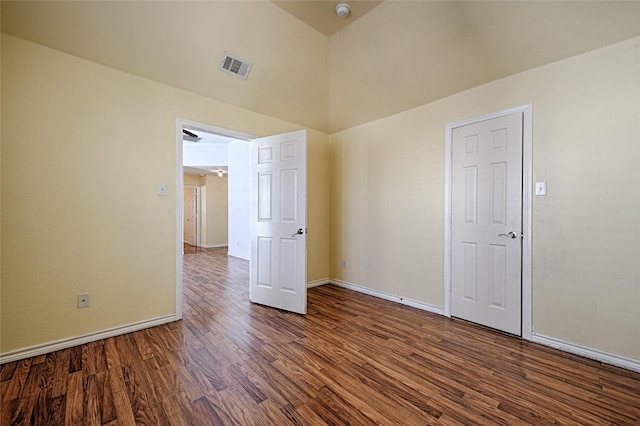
[(278, 222), (179, 199), (486, 223)]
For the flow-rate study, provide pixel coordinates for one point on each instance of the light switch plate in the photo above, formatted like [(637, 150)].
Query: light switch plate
[(541, 188)]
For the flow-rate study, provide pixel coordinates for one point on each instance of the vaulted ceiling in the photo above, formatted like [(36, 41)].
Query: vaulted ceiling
[(321, 14), (310, 67)]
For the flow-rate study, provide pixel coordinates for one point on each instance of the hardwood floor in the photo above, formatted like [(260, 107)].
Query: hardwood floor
[(353, 359), (188, 248)]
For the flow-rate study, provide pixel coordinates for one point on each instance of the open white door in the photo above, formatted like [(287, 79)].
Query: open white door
[(278, 271)]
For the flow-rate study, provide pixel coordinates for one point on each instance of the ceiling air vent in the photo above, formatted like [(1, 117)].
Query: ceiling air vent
[(236, 66)]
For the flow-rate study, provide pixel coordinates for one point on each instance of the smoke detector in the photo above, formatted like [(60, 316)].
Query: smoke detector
[(342, 10)]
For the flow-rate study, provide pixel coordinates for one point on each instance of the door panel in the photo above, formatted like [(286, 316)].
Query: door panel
[(190, 215), (486, 204), (278, 273)]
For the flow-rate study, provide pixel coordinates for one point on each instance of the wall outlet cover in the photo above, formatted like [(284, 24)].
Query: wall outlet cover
[(83, 300), (162, 189)]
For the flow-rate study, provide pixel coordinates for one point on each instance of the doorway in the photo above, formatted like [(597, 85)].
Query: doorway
[(282, 191), (191, 222), (181, 124), (487, 266)]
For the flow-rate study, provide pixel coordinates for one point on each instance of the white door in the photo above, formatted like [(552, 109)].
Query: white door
[(190, 215), (486, 227), (278, 269)]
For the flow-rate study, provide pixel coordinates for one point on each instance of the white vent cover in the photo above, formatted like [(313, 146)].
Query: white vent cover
[(234, 65)]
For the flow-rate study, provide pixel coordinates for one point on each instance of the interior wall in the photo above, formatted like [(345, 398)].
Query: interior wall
[(289, 79), (239, 181), (403, 54), (193, 180), (217, 211), (387, 195), (112, 237)]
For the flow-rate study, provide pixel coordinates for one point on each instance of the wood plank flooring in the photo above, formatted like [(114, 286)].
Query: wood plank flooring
[(352, 360)]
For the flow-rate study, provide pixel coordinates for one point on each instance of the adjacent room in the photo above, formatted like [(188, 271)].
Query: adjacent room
[(447, 194)]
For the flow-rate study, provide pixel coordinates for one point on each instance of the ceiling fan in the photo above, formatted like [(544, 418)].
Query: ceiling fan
[(189, 136)]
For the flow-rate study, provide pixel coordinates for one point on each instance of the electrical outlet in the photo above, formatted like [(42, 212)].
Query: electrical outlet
[(83, 300), (161, 190)]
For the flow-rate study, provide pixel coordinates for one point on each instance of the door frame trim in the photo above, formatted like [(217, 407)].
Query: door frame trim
[(179, 208), (527, 160)]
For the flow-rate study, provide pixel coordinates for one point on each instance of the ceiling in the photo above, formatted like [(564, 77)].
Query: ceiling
[(202, 171), (312, 68), (321, 15), (205, 138)]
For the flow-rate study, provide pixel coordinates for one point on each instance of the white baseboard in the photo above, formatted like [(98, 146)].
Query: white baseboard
[(212, 245), (238, 255), (387, 296), (80, 340), (595, 354), (598, 355), (317, 283)]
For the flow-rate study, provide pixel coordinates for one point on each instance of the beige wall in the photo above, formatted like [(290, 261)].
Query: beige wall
[(289, 79), (65, 120), (193, 180), (387, 195), (403, 54), (217, 231)]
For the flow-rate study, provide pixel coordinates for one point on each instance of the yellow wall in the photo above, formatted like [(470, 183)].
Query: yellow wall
[(65, 120), (217, 211), (403, 54), (193, 180), (289, 79), (387, 195)]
